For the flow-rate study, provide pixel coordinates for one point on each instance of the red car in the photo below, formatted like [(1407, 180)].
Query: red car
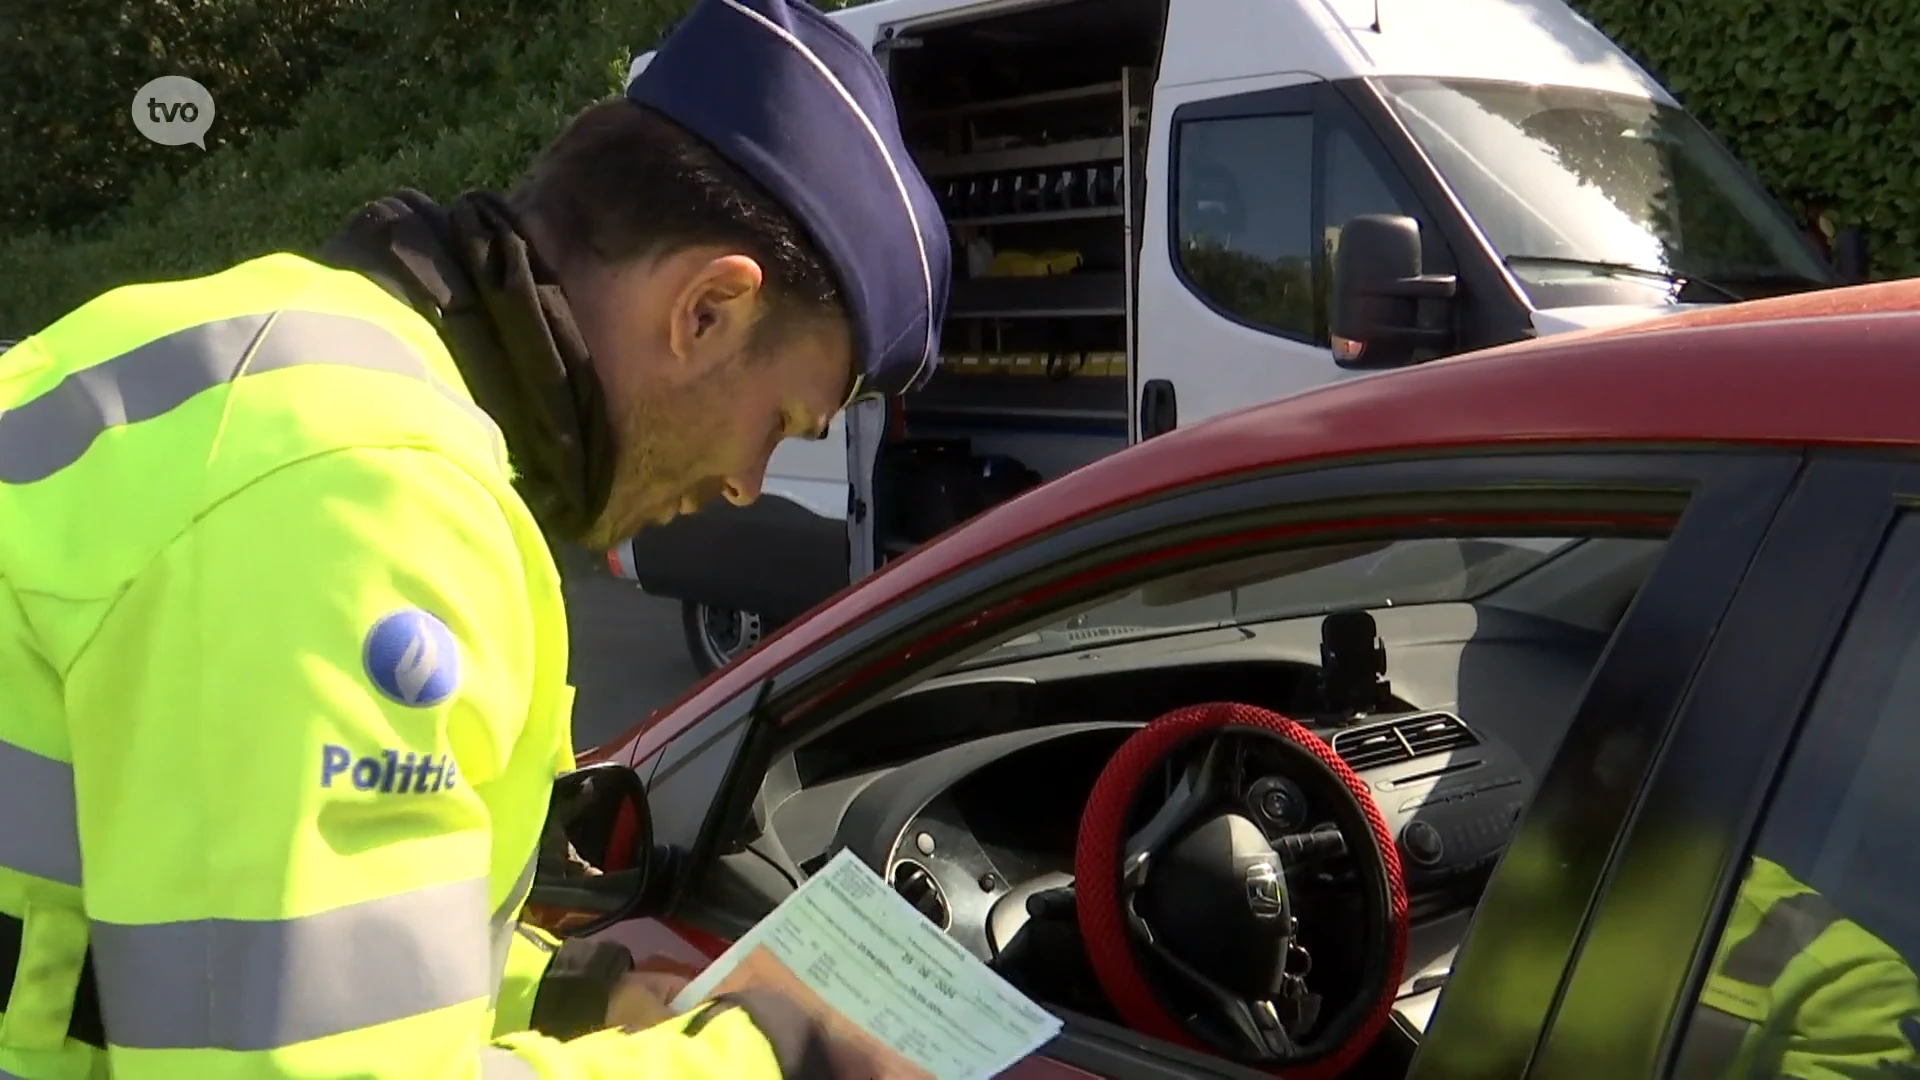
[(1515, 664)]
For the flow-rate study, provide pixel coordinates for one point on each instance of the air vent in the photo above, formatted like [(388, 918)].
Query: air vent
[(1435, 734), (1402, 740), (1099, 633), (1372, 748), (921, 889)]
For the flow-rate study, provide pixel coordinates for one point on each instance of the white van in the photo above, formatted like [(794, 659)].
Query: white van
[(1147, 198)]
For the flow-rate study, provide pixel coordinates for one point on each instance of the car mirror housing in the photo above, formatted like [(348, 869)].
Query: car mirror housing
[(597, 857), (1384, 311)]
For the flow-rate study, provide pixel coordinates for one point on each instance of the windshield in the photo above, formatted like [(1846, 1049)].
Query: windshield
[(1595, 197), (1295, 584)]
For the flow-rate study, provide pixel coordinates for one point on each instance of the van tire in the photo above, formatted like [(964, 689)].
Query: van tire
[(717, 635)]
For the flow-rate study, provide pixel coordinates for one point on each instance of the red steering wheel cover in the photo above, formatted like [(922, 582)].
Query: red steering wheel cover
[(1096, 867)]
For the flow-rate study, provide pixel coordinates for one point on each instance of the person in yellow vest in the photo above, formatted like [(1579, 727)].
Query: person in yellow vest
[(1797, 990), (282, 652)]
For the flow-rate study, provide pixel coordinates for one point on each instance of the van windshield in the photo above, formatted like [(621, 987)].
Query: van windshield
[(1594, 197)]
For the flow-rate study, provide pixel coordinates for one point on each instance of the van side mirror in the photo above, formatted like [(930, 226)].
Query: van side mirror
[(596, 861), (1384, 311), (1850, 256)]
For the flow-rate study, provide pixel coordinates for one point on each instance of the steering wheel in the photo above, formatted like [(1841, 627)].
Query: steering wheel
[(1202, 891)]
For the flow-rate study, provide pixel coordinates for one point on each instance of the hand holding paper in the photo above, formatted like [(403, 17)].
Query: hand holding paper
[(882, 980)]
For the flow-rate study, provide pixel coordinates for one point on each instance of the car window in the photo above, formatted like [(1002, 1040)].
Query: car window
[(1243, 194), (1293, 584), (1812, 971), (1353, 183)]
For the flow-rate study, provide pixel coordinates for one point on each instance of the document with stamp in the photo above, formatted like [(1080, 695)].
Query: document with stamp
[(877, 974)]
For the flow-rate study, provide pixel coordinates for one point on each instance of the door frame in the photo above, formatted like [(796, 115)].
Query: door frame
[(1691, 833), (1530, 921)]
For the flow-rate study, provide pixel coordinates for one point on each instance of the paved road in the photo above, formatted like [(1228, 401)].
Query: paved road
[(627, 652)]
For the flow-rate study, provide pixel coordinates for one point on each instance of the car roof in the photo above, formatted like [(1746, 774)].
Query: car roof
[(1835, 367)]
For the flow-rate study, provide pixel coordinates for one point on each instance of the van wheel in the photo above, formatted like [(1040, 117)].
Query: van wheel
[(715, 635)]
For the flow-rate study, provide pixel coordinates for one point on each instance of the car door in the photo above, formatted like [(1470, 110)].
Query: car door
[(704, 782), (1237, 253), (1764, 912)]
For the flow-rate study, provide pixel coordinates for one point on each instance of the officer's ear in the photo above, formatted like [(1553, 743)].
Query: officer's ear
[(713, 316)]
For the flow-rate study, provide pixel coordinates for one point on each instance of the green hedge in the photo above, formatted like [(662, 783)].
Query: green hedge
[(458, 95), (443, 95), (69, 69), (1816, 96)]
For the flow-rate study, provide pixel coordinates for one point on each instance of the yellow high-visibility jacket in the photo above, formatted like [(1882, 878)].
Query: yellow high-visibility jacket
[(282, 696), (1798, 990)]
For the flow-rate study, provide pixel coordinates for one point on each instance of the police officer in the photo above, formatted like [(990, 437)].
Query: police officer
[(282, 654), (1797, 990)]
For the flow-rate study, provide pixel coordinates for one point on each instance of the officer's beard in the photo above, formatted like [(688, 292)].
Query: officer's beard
[(669, 441)]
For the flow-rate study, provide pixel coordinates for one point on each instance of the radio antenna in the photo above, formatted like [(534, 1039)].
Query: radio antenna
[(1376, 16)]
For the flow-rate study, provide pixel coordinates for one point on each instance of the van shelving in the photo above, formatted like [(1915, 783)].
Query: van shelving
[(1015, 388), (1037, 217), (1083, 294), (1024, 101), (1080, 401), (1030, 157), (938, 167)]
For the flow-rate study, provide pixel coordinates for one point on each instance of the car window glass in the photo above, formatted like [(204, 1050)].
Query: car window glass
[(1812, 971), (1354, 185), (1575, 586), (1313, 581), (1243, 224)]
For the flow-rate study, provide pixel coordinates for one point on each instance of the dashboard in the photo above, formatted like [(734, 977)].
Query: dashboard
[(967, 792), (968, 833)]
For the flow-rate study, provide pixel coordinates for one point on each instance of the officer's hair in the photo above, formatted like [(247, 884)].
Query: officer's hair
[(622, 183)]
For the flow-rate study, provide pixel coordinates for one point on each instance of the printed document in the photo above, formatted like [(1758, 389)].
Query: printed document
[(875, 972)]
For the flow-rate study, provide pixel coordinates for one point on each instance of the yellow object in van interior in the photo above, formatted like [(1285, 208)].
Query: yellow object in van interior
[(1034, 263)]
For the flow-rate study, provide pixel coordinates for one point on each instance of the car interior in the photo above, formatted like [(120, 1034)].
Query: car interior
[(1439, 672)]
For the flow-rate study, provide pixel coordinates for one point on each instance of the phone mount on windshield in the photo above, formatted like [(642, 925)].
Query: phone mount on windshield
[(1353, 668)]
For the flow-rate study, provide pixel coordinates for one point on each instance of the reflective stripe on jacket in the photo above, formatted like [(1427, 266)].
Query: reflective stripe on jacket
[(284, 664), (1797, 990)]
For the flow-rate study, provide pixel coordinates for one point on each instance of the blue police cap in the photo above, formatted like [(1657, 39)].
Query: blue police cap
[(800, 105)]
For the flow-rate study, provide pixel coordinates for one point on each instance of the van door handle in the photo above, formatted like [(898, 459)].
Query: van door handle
[(1159, 408)]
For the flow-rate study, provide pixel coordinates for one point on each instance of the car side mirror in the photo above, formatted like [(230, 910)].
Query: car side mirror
[(596, 861), (1850, 256), (1384, 311)]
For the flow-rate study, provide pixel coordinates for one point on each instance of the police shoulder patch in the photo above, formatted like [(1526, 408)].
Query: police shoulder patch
[(411, 657)]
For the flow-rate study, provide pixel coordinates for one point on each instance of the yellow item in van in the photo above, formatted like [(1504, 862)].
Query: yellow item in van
[(1034, 263)]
